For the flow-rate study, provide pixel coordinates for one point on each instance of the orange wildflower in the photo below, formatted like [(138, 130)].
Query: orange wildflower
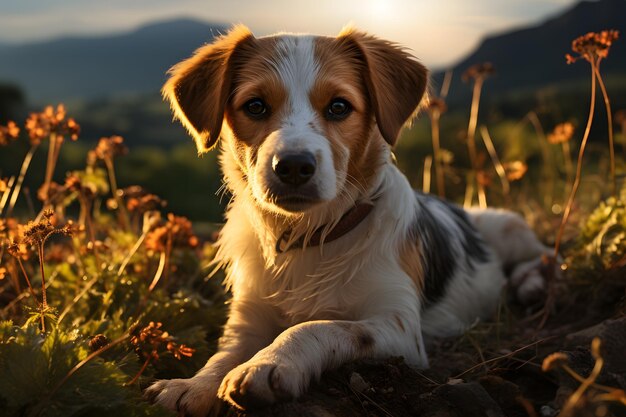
[(593, 46), (562, 132), (41, 125), (8, 133)]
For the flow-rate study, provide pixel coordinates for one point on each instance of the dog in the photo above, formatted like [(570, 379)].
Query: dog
[(330, 255)]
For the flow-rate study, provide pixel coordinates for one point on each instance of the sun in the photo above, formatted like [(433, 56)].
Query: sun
[(380, 9)]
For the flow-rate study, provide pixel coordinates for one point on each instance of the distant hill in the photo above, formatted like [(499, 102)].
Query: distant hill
[(534, 57), (101, 67), (111, 83)]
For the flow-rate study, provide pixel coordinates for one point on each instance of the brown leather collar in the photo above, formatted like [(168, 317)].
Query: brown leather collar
[(348, 221)]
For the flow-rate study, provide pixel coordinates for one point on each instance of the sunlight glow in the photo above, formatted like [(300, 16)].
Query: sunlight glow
[(381, 9)]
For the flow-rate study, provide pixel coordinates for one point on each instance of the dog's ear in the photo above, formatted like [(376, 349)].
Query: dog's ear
[(395, 80), (198, 87)]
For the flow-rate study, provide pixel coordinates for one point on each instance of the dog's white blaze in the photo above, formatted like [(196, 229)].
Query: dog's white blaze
[(299, 130)]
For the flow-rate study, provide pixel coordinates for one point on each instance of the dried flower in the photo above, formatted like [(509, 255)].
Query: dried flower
[(148, 202), (73, 182), (12, 233), (562, 132), (477, 71), (150, 338), (41, 125), (54, 193), (8, 133), (515, 170), (98, 342), (177, 230), (138, 200), (180, 350), (18, 250), (110, 147), (593, 46), (36, 233)]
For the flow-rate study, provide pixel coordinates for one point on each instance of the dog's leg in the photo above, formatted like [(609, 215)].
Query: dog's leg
[(517, 247), (301, 353), (251, 326)]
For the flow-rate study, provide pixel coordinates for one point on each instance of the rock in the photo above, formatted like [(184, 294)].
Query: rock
[(612, 334), (357, 383)]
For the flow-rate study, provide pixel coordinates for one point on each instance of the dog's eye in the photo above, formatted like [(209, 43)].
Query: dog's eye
[(255, 108), (338, 109)]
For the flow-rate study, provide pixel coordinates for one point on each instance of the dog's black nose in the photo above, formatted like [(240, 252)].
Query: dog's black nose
[(294, 169)]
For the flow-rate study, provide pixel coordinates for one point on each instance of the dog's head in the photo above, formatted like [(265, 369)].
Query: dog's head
[(306, 119)]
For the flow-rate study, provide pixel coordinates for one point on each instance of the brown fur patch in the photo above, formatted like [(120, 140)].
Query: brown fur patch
[(254, 77), (199, 87), (395, 80), (362, 338), (411, 261), (341, 76)]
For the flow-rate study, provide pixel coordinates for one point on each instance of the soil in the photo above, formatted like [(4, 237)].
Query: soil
[(494, 370)]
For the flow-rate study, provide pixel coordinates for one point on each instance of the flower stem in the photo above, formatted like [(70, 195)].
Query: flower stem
[(493, 154), (579, 166), (131, 253), (87, 359), (471, 139), (143, 368), (576, 396), (607, 105), (30, 287), (44, 301), (434, 125), (116, 196), (20, 180), (549, 168), (53, 154), (426, 179), (6, 194)]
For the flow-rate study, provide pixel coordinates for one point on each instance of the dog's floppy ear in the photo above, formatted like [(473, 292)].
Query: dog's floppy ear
[(198, 87), (395, 80)]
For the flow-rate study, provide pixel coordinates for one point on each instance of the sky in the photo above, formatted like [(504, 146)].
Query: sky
[(439, 32)]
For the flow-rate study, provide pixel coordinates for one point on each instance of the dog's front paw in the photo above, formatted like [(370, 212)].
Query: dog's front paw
[(260, 383), (190, 397)]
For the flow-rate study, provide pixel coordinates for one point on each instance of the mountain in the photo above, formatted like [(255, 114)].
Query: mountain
[(100, 67), (533, 58)]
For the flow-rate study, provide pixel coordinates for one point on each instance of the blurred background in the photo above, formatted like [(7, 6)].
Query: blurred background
[(106, 61)]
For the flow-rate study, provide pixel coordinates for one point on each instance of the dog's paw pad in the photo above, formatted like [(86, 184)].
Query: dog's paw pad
[(257, 385)]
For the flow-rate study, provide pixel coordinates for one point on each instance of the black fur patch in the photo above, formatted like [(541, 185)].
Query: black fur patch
[(473, 244), (439, 255)]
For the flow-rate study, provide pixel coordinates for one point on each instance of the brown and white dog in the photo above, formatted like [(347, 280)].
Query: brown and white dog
[(330, 255)]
